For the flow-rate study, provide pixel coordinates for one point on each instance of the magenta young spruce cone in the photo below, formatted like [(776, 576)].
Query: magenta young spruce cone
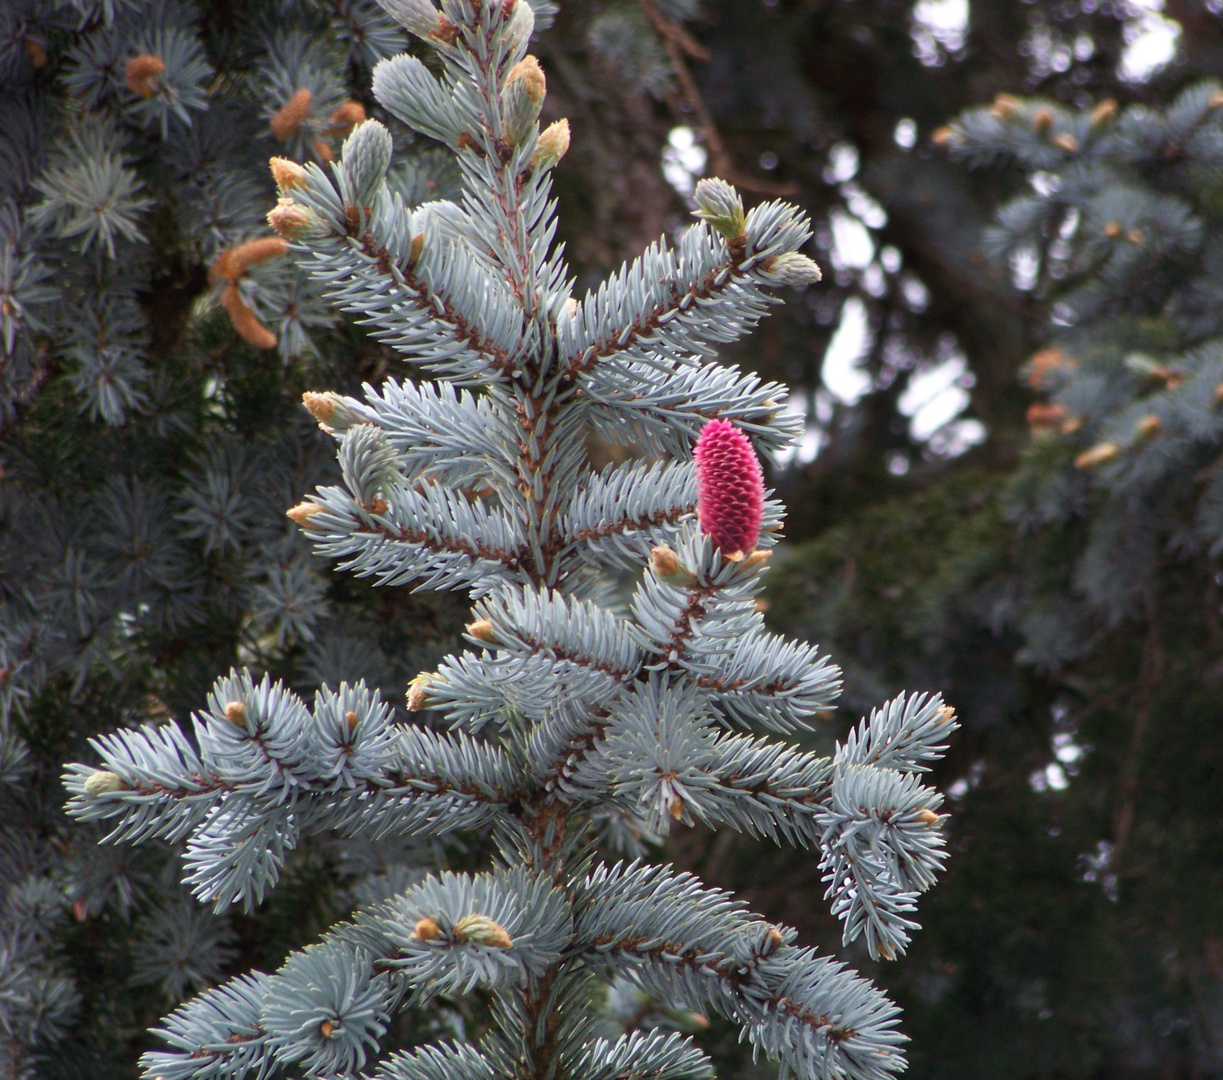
[(730, 487)]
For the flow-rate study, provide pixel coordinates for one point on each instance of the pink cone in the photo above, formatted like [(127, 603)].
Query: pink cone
[(730, 487)]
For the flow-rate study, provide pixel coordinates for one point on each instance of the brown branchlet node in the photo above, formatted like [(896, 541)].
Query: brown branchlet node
[(141, 73)]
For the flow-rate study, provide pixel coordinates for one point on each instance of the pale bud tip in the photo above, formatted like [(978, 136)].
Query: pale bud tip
[(102, 783)]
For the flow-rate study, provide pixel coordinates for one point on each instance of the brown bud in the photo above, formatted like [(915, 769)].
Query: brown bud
[(482, 630), (320, 406), (326, 1029), (141, 74), (945, 136), (1100, 454), (1063, 140), (1043, 417), (698, 1020), (1072, 425), (418, 246), (418, 692), (351, 719), (345, 118), (481, 930), (232, 263), (1219, 394), (35, 52), (886, 951), (246, 323), (102, 783), (302, 513), (733, 556), (1113, 229), (532, 74), (1148, 427), (757, 558), (1004, 106), (1135, 237), (552, 145), (290, 219), (427, 930), (946, 714), (235, 713), (1216, 99), (774, 938), (1104, 114), (928, 816), (322, 151), (290, 116), (1042, 120), (1045, 363), (677, 807), (288, 174)]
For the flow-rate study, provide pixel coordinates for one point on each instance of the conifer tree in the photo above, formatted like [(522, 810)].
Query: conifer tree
[(1120, 231), (585, 720), (154, 338)]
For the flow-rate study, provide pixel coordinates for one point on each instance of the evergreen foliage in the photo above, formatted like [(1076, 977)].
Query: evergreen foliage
[(588, 719), (148, 452)]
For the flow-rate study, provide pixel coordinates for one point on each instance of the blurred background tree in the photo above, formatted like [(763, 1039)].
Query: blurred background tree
[(940, 534)]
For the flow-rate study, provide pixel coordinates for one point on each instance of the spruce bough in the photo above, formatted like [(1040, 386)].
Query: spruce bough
[(579, 727)]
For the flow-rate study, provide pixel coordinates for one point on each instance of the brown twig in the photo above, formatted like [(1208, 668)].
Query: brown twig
[(678, 42), (1150, 674)]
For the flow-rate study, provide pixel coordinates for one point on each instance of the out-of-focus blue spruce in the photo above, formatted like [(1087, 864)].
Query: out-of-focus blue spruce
[(1119, 228), (146, 454), (619, 678)]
